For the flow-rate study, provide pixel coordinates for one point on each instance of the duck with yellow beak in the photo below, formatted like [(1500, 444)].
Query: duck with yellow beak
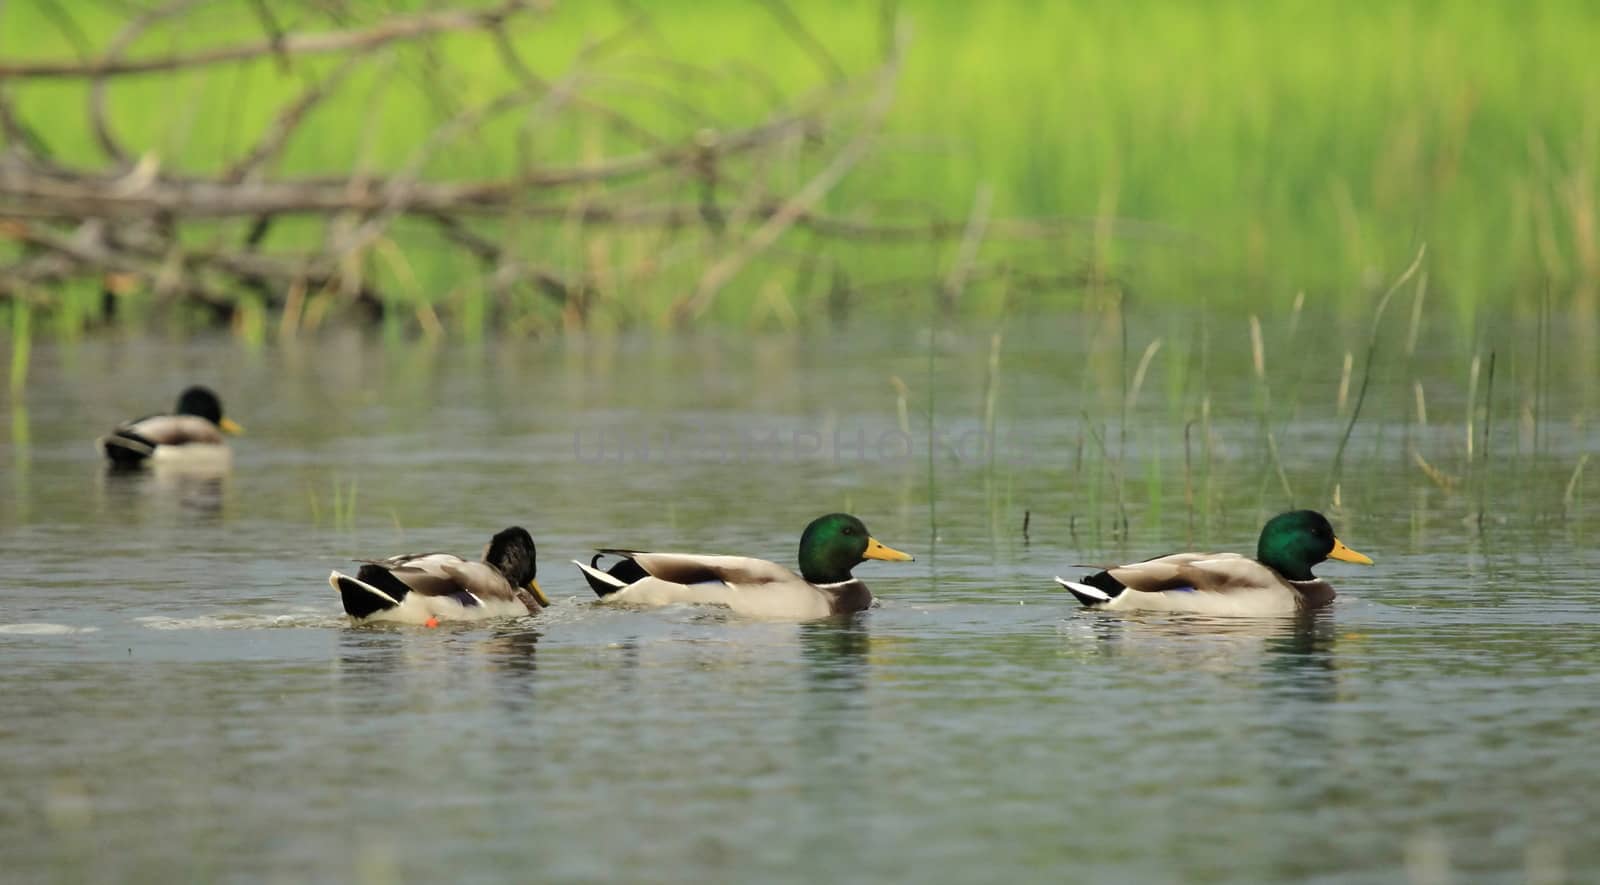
[(193, 433), (1278, 581), (426, 588), (830, 548)]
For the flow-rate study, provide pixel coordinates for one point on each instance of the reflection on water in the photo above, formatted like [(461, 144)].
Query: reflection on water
[(199, 490), (185, 700), (510, 650), (836, 652), (383, 670)]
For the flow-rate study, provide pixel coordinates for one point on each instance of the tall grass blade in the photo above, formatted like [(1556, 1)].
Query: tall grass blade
[(21, 344), (1367, 365)]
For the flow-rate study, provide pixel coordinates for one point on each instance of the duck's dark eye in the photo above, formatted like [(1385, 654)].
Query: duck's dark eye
[(849, 531)]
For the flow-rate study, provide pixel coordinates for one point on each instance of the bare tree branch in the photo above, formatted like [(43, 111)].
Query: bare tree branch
[(616, 174), (720, 273), (277, 136), (392, 30)]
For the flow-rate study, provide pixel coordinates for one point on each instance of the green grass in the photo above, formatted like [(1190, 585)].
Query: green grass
[(1265, 148)]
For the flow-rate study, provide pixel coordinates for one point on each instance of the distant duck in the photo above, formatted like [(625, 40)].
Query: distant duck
[(830, 547), (426, 588), (1278, 581), (194, 431)]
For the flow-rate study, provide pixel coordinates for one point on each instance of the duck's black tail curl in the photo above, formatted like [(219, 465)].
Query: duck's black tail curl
[(1096, 589), (126, 448), (605, 582), (372, 590)]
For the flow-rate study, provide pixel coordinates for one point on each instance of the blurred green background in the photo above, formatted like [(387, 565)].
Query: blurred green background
[(1249, 151)]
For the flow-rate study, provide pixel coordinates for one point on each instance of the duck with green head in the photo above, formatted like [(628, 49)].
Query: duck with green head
[(830, 548), (1277, 581)]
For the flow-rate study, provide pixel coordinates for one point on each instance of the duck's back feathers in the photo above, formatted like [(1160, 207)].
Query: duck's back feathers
[(1215, 572), (445, 574), (692, 568), (176, 430)]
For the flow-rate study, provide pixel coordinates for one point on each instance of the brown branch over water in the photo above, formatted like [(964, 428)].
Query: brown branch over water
[(804, 200), (617, 194)]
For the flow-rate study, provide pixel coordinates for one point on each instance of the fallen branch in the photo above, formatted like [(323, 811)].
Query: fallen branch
[(596, 198)]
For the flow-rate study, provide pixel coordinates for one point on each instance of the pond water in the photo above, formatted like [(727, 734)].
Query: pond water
[(184, 701)]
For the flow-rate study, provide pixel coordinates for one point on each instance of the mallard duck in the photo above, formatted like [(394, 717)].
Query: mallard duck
[(426, 588), (194, 430), (831, 546), (1277, 581)]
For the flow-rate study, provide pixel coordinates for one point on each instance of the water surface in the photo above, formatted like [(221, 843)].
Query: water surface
[(183, 699)]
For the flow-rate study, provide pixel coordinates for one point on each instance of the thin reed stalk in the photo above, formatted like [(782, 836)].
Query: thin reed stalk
[(1114, 468), (1263, 409), (933, 474), (1188, 485), (1488, 425), (1472, 409), (1367, 366), (1569, 498), (21, 345)]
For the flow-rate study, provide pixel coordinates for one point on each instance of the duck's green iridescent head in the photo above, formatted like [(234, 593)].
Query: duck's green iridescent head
[(1293, 542), (832, 545)]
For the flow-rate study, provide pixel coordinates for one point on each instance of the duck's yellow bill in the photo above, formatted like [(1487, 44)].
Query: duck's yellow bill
[(229, 425), (533, 587), (876, 550), (1345, 554)]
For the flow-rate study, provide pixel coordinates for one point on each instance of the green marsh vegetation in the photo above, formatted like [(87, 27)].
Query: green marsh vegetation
[(1223, 154)]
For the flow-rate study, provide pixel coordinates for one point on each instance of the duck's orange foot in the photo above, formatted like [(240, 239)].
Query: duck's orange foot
[(431, 622)]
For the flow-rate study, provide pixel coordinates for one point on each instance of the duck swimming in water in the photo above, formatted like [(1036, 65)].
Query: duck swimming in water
[(1278, 581), (830, 548), (194, 431), (426, 588)]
